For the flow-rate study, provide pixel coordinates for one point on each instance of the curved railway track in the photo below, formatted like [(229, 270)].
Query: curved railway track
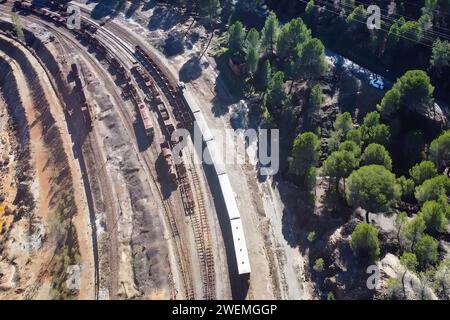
[(199, 218), (123, 52)]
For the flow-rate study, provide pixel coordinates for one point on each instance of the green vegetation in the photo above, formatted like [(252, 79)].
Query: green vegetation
[(252, 45), (339, 165), (392, 162), (440, 150), (319, 265), (440, 58), (373, 131), (423, 171), (364, 242), (377, 154), (316, 98), (373, 188), (270, 32), (435, 215), (433, 188), (18, 29), (413, 91), (427, 251), (407, 186), (343, 123), (412, 231), (312, 236), (236, 36), (350, 146), (305, 154)]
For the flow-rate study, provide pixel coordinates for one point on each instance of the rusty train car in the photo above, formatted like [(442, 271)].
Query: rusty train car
[(39, 9), (146, 121), (170, 167)]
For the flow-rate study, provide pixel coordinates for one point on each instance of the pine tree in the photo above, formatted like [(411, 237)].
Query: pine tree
[(270, 32)]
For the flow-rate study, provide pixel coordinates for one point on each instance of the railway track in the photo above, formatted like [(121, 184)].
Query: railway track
[(123, 52), (32, 291), (199, 218)]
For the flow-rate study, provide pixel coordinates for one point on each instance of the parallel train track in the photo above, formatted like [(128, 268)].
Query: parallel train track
[(199, 218)]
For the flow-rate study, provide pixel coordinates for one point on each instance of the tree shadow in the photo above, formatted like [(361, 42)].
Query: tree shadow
[(192, 69), (174, 44), (106, 8), (132, 8), (165, 18)]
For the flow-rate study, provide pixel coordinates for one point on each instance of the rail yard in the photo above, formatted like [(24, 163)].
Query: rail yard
[(125, 220), (224, 150), (160, 107)]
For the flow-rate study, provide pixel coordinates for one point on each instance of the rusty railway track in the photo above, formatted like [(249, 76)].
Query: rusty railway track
[(196, 212)]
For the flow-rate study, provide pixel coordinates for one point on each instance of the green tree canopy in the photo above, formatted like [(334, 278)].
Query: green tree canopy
[(371, 119), (373, 131), (373, 188), (423, 171), (270, 32), (412, 231), (350, 146), (236, 38), (339, 165), (364, 242), (291, 35), (252, 41), (343, 123), (356, 20), (435, 216), (433, 188), (440, 150), (377, 154), (393, 35), (390, 103), (407, 186), (440, 58), (427, 251), (252, 44), (409, 261), (355, 135), (412, 31), (309, 60), (275, 95), (305, 153), (316, 97), (413, 91)]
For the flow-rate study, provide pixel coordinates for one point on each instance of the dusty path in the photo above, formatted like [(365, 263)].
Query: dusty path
[(44, 172)]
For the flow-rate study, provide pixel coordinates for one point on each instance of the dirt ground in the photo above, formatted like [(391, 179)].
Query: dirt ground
[(42, 189)]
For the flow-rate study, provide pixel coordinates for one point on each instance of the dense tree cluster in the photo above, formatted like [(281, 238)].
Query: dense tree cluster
[(420, 42), (361, 165), (413, 91), (277, 54)]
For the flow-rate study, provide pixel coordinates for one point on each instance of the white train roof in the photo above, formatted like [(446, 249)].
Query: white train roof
[(240, 247), (229, 197)]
